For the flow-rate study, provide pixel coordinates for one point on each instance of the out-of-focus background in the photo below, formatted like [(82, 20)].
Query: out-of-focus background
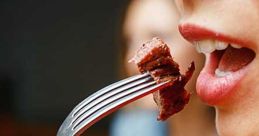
[(53, 54)]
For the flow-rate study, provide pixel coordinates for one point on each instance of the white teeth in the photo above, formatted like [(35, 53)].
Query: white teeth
[(236, 46), (220, 73), (198, 49), (220, 45), (206, 46)]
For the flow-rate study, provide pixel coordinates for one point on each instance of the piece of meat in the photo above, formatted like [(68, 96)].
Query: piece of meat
[(154, 57)]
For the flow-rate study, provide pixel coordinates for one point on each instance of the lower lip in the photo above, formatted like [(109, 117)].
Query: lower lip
[(211, 89), (216, 90)]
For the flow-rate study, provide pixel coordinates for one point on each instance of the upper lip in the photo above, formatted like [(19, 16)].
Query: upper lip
[(192, 32)]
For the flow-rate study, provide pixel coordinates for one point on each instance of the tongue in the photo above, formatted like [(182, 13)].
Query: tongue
[(234, 59)]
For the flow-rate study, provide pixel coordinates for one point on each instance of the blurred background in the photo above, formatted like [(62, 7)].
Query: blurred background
[(52, 55)]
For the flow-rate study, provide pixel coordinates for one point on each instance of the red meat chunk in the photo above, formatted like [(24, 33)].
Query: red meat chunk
[(154, 57)]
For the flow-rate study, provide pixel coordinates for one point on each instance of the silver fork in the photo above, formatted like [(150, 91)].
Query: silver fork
[(106, 101)]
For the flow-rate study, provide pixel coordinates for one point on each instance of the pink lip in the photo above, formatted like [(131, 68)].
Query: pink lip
[(211, 89), (216, 90), (195, 33)]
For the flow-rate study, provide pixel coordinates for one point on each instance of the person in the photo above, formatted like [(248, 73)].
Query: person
[(146, 19), (229, 80)]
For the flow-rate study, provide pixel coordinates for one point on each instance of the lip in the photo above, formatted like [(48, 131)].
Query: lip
[(193, 32), (211, 89)]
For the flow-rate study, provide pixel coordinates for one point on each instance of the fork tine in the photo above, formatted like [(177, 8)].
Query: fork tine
[(88, 119), (107, 89), (98, 106), (111, 93), (66, 127), (101, 103)]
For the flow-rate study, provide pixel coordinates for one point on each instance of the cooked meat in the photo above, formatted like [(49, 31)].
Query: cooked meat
[(154, 57)]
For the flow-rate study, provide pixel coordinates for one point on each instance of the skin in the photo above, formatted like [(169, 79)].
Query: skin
[(239, 114), (142, 23)]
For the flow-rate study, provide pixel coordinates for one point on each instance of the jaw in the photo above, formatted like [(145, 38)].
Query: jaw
[(239, 118), (239, 114)]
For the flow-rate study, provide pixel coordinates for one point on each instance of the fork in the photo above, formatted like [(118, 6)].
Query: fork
[(106, 101)]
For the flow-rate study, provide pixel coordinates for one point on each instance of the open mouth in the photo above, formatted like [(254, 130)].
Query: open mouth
[(226, 57), (226, 64)]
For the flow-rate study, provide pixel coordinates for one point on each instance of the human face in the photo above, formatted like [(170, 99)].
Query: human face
[(143, 23), (229, 79)]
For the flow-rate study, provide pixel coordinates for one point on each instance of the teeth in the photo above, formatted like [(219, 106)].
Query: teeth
[(236, 46), (206, 46), (220, 45), (198, 49), (220, 73)]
